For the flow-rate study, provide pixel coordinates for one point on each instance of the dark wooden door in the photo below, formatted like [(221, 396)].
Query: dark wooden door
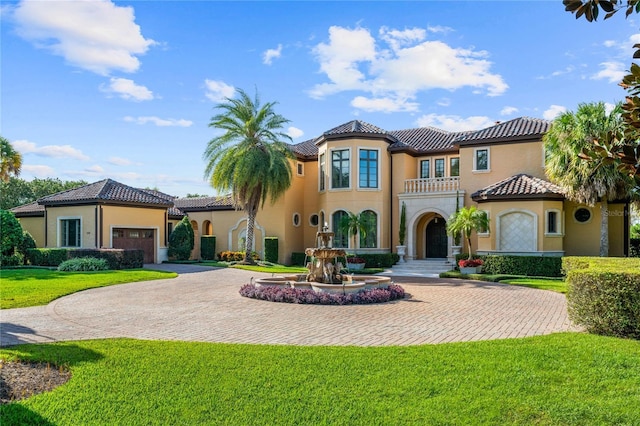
[(436, 238), (135, 239)]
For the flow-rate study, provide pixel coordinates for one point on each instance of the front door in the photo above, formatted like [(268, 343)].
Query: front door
[(436, 239)]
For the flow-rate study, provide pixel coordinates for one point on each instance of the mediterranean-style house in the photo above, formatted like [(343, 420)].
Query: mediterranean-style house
[(358, 167)]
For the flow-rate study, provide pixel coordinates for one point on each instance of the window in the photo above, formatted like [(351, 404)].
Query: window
[(484, 231), (425, 165), (368, 168), (300, 169), (582, 215), (553, 222), (454, 166), (370, 238), (323, 171), (481, 160), (340, 238), (340, 169), (296, 219), (439, 165), (314, 220), (70, 233)]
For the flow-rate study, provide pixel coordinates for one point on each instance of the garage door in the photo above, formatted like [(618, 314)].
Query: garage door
[(124, 238)]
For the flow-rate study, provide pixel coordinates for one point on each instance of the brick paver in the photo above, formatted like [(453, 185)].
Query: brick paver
[(205, 306)]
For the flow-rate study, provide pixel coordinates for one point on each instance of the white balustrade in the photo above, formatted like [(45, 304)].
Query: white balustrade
[(443, 184)]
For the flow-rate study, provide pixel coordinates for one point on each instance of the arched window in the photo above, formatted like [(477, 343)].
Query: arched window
[(370, 238), (340, 238), (207, 228)]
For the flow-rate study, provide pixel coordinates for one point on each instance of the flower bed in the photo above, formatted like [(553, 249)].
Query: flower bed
[(307, 296), (470, 263)]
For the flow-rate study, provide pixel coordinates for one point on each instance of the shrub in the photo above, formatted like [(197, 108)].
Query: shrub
[(10, 237), (47, 256), (82, 264), (271, 249), (208, 247), (604, 297), (297, 259), (634, 247), (380, 260), (181, 240), (115, 258), (354, 259), (535, 266), (27, 243), (308, 296), (235, 256)]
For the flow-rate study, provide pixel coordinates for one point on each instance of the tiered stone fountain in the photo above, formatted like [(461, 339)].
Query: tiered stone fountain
[(325, 271)]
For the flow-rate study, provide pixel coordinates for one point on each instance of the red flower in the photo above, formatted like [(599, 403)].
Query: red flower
[(355, 260), (466, 263)]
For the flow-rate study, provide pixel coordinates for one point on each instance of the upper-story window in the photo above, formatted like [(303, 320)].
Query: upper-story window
[(454, 166), (368, 168), (70, 233), (425, 169), (340, 169), (439, 167), (300, 169), (481, 159), (323, 171)]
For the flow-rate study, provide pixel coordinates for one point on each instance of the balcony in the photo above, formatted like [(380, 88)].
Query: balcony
[(425, 186)]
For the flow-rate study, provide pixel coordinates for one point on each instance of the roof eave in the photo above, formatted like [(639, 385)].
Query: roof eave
[(532, 197)]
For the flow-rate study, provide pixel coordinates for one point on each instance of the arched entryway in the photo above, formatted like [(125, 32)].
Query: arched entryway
[(436, 241)]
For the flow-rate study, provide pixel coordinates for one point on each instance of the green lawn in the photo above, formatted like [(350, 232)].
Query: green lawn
[(558, 285), (563, 379), (32, 287)]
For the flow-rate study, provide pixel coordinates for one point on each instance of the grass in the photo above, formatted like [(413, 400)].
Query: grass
[(541, 283), (272, 269), (562, 379), (32, 287)]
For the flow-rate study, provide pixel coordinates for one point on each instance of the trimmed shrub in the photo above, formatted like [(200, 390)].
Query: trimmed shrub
[(47, 256), (115, 258), (83, 264), (181, 240), (634, 247), (605, 299), (297, 259), (10, 238), (271, 249), (235, 256), (534, 266), (27, 243), (208, 247), (308, 296), (380, 260)]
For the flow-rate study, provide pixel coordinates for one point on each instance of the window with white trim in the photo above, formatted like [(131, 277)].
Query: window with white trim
[(300, 169), (70, 235), (340, 238), (323, 171), (481, 159), (553, 225), (454, 166), (425, 169), (484, 231), (439, 168), (368, 168), (370, 238), (340, 169)]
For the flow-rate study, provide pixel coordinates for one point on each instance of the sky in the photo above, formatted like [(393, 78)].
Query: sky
[(126, 89)]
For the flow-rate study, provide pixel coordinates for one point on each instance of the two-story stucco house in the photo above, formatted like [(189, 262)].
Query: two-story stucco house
[(358, 167)]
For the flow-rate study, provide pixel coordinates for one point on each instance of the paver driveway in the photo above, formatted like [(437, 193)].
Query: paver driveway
[(203, 304)]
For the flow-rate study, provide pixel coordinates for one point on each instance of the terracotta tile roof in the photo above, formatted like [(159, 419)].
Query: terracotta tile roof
[(355, 126), (307, 149), (106, 191), (521, 186), (516, 129), (31, 209), (224, 202), (425, 139)]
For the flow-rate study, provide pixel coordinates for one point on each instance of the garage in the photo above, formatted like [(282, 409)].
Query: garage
[(131, 238)]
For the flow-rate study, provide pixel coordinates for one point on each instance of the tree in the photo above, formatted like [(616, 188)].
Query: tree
[(465, 221), (353, 223), (250, 158), (11, 235), (181, 240), (571, 134), (626, 155), (11, 161), (16, 192)]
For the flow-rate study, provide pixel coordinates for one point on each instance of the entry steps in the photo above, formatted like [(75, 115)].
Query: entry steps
[(420, 268)]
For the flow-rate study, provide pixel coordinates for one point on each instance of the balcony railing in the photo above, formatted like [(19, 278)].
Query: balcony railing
[(421, 186)]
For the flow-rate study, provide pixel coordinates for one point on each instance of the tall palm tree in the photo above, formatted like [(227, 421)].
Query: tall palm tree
[(354, 223), (249, 158), (571, 134), (465, 221), (11, 162)]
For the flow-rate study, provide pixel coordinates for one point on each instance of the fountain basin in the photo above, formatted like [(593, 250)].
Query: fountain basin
[(293, 281)]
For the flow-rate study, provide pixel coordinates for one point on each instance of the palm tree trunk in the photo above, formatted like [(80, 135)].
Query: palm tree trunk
[(469, 243), (604, 227), (251, 221)]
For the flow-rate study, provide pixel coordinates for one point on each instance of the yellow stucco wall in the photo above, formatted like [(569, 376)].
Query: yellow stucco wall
[(87, 216), (583, 239), (35, 227), (133, 217)]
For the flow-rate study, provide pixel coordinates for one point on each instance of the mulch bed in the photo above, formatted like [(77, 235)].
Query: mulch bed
[(20, 380)]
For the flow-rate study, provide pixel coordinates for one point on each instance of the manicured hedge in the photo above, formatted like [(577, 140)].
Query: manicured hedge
[(533, 266), (375, 260), (297, 259), (208, 247), (604, 295), (235, 256), (271, 249), (116, 258), (634, 247)]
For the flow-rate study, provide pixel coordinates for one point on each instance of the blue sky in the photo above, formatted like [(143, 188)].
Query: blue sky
[(126, 89)]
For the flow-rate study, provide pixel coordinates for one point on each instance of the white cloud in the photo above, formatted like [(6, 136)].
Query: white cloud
[(383, 104), (98, 36), (553, 111), (119, 161), (445, 102), (508, 110), (455, 123), (609, 43), (52, 151), (294, 132), (612, 71), (160, 122), (95, 169), (128, 89), (217, 90), (270, 54), (439, 29), (352, 60), (38, 170)]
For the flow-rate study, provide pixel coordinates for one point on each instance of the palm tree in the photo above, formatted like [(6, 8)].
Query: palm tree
[(465, 221), (570, 136), (11, 160), (249, 158), (353, 223)]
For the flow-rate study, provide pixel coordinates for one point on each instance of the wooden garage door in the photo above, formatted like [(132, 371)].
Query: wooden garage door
[(124, 238)]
